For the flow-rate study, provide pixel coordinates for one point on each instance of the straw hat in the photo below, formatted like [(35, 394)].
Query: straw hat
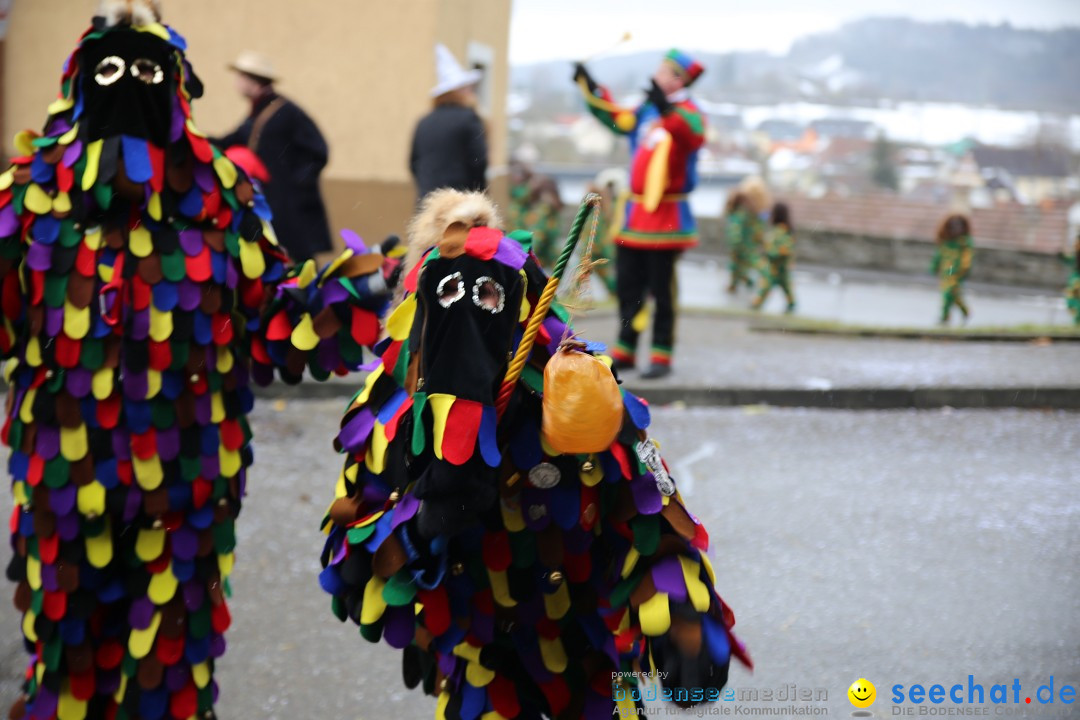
[(252, 63), (451, 75)]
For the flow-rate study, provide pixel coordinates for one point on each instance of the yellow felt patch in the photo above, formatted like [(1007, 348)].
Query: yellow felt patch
[(99, 547), (375, 460), (513, 520), (33, 572), (477, 675), (225, 564), (553, 654), (303, 335), (217, 407), (500, 588), (68, 707), (28, 627), (37, 200), (226, 171), (62, 203), (697, 590), (252, 261), (141, 641), (91, 499), (201, 675), (153, 383), (33, 352), (149, 544), (76, 321), (400, 321), (230, 461), (93, 162), (153, 207), (92, 239), (225, 360), (161, 324), (163, 586), (74, 443), (140, 241), (24, 142), (148, 473), (335, 264), (654, 615), (7, 178), (440, 404), (557, 603), (307, 274), (373, 605), (68, 137), (102, 383), (26, 410), (631, 560)]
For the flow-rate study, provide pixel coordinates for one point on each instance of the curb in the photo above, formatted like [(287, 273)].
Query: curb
[(915, 334), (919, 398)]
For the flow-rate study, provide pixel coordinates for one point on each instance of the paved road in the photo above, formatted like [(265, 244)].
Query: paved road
[(865, 298), (900, 546)]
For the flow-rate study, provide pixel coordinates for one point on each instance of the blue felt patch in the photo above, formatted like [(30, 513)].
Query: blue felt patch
[(136, 159)]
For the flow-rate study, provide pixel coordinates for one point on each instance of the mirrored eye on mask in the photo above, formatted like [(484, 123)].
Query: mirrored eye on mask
[(450, 289), (488, 295), (109, 70), (147, 71)]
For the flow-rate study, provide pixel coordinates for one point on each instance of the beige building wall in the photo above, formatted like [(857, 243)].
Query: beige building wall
[(361, 68)]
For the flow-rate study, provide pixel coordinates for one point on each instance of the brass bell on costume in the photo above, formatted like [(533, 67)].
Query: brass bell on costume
[(583, 407)]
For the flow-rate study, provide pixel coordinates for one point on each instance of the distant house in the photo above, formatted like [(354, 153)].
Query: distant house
[(1032, 174), (829, 128), (781, 130)]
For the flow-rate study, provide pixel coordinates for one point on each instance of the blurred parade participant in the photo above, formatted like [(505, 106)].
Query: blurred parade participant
[(952, 263), (535, 206), (747, 213), (143, 291), (449, 147), (779, 254), (289, 144), (665, 132), (1072, 290)]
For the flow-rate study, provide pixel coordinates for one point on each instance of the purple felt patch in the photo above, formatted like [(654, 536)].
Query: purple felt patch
[(168, 443), (141, 613), (185, 543), (334, 292), (647, 497), (189, 294), (191, 241), (72, 153), (210, 465), (68, 527), (137, 386), (667, 575), (405, 510), (356, 432), (204, 178), (54, 321), (399, 626), (9, 223), (47, 443), (62, 499), (353, 241), (39, 256), (194, 594), (511, 254), (48, 578), (79, 382)]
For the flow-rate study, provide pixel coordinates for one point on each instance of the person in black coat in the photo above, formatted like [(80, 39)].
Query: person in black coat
[(294, 152), (449, 147)]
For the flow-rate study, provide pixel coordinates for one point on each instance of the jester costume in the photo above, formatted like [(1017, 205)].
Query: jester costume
[(952, 263), (515, 580), (779, 254), (743, 231), (665, 133), (142, 288)]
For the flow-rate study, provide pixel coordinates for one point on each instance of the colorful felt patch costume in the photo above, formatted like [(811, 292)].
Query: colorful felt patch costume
[(142, 289), (514, 579)]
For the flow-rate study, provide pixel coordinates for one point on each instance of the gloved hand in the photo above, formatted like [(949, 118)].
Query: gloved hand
[(657, 97), (581, 72)]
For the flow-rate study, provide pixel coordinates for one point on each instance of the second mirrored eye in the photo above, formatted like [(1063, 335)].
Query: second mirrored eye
[(109, 70), (147, 71), (451, 289), (488, 295)]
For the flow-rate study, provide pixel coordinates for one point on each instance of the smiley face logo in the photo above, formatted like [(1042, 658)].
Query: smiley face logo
[(862, 693)]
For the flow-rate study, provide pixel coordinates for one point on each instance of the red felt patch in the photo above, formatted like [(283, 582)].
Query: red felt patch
[(496, 550), (170, 650), (160, 355), (365, 327), (35, 470), (140, 293), (161, 563), (109, 655), (279, 328), (54, 604), (108, 412), (258, 351), (212, 202), (222, 328), (85, 261), (37, 287), (49, 548), (65, 177), (436, 609), (701, 538), (198, 267), (390, 355), (144, 445), (220, 619), (392, 426), (557, 693), (483, 242), (124, 472), (200, 147), (251, 293), (504, 697), (185, 703), (462, 427), (232, 435), (201, 490), (548, 628), (67, 351), (157, 166), (578, 567), (619, 452), (83, 686), (12, 298)]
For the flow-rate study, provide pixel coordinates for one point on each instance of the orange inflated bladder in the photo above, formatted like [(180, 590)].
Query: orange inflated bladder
[(583, 407)]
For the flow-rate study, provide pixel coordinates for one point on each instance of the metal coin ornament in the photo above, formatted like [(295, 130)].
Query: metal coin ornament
[(649, 455), (544, 476)]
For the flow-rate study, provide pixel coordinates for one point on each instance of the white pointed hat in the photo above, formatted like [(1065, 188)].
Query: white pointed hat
[(450, 74)]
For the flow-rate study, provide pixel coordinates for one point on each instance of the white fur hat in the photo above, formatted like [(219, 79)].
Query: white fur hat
[(451, 75), (252, 63)]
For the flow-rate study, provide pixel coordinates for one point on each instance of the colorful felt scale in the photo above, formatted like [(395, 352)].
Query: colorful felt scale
[(142, 289)]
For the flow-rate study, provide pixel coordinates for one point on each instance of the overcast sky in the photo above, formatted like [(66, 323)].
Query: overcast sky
[(553, 29)]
